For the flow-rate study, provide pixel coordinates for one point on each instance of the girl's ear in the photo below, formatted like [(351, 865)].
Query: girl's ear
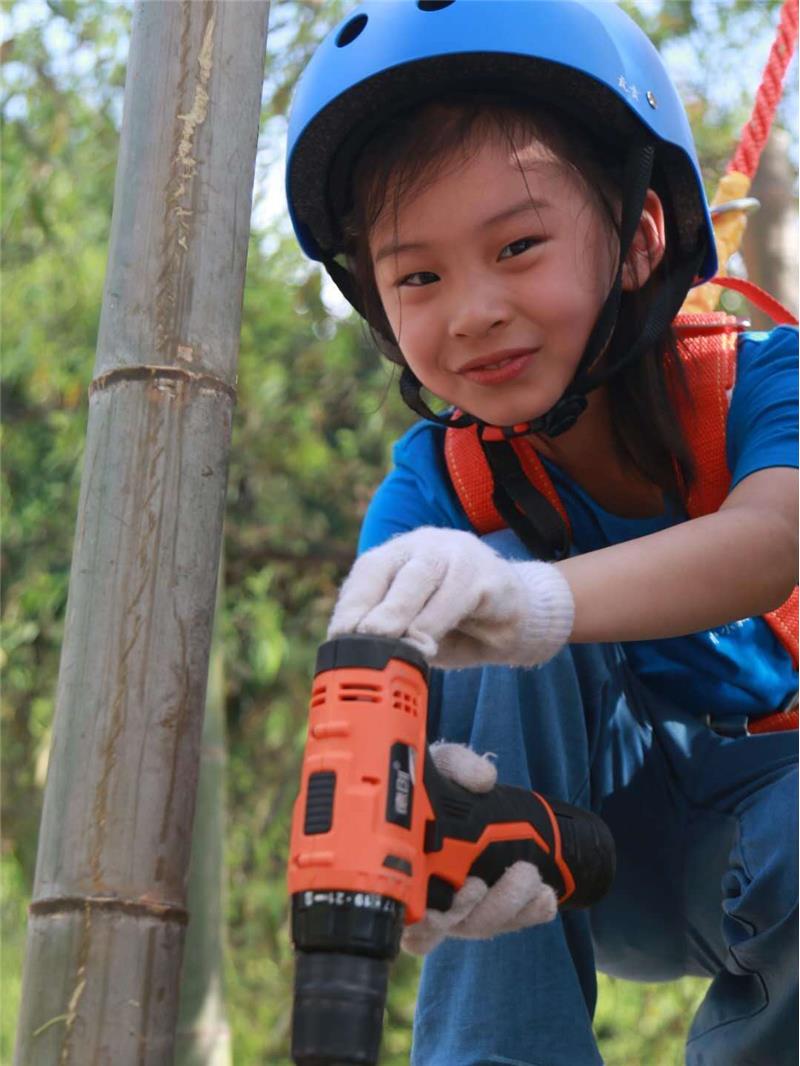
[(647, 246)]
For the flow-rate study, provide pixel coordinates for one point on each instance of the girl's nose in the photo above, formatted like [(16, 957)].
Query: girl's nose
[(477, 310)]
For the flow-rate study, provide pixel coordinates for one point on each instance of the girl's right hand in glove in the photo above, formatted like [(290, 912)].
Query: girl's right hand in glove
[(459, 602)]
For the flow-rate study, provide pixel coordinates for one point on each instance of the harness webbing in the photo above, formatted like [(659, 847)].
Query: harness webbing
[(709, 363)]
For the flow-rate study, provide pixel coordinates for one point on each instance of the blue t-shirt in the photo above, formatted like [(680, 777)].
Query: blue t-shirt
[(734, 669)]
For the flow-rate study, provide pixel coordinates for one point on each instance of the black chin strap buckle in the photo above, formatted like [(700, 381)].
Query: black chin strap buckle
[(563, 415)]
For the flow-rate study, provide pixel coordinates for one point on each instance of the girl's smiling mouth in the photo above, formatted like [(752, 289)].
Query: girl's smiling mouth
[(499, 367)]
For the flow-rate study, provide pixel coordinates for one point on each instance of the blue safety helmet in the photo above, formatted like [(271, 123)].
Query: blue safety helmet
[(586, 58)]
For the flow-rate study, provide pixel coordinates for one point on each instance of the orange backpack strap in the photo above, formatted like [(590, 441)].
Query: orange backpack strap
[(472, 479), (708, 349)]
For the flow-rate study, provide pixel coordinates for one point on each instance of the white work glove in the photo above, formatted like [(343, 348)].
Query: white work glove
[(455, 599), (519, 899)]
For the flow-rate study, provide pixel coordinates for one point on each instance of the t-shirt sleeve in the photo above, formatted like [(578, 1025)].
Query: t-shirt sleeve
[(416, 492), (762, 421)]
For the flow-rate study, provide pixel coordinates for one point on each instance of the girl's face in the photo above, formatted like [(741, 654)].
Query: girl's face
[(492, 277)]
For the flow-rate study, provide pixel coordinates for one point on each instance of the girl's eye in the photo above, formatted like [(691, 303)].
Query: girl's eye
[(518, 247), (418, 278)]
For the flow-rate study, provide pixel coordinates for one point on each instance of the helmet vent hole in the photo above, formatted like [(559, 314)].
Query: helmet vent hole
[(434, 5), (352, 29)]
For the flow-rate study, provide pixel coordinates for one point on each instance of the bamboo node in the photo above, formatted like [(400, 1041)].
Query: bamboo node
[(157, 374), (135, 908)]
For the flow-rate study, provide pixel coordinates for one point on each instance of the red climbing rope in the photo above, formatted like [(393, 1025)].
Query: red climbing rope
[(755, 133)]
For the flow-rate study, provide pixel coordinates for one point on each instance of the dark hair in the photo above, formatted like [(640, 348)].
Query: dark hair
[(409, 152)]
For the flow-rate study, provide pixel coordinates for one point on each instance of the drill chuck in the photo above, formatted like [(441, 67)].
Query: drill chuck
[(337, 1017), (345, 943)]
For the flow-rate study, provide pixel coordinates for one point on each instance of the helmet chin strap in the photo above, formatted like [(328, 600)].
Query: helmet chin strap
[(561, 416), (566, 411)]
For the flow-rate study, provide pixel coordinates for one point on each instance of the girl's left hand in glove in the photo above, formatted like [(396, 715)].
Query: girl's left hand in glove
[(519, 899), (458, 601)]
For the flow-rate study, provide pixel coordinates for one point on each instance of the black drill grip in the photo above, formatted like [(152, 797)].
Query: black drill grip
[(572, 848)]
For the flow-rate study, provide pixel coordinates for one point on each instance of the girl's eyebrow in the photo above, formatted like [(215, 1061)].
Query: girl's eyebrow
[(516, 209), (394, 248), (521, 208)]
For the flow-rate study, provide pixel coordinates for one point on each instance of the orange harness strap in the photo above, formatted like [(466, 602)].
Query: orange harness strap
[(710, 363), (473, 482), (707, 346)]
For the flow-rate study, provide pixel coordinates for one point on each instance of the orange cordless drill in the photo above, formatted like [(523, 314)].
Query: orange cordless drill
[(378, 835)]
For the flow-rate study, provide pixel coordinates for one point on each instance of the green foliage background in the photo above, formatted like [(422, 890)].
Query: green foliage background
[(316, 416)]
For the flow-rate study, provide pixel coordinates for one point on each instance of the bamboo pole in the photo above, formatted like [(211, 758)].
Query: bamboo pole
[(107, 920), (202, 1036)]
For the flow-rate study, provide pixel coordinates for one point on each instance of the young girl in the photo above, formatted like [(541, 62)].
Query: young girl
[(509, 194)]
